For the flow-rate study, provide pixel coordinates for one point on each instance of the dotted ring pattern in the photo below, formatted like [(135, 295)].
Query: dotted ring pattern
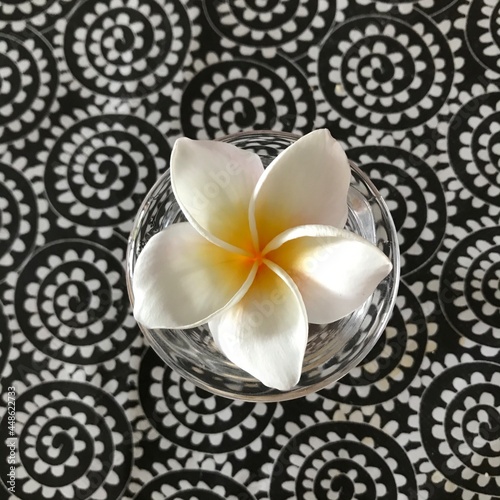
[(469, 289), (393, 363), (100, 169), (476, 160), (18, 219), (483, 32), (459, 417), (70, 302), (336, 459), (130, 50), (74, 442), (193, 418), (414, 195), (292, 26), (431, 6), (194, 484), (41, 14), (231, 96), (386, 73), (28, 82)]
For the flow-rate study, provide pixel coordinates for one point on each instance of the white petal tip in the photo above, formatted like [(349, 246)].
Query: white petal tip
[(266, 333), (282, 383)]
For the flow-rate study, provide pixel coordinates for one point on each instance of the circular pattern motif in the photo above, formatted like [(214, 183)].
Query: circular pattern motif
[(292, 26), (28, 82), (475, 129), (39, 13), (387, 73), (415, 197), (73, 442), (459, 418), (194, 484), (70, 302), (431, 6), (129, 50), (469, 288), (230, 96), (193, 418), (394, 361), (342, 460), (483, 32), (18, 219), (99, 170)]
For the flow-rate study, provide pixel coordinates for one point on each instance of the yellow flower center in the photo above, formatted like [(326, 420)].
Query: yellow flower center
[(257, 257)]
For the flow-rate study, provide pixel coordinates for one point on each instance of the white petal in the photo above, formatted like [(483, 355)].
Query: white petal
[(181, 279), (265, 333), (335, 270), (306, 184), (213, 183)]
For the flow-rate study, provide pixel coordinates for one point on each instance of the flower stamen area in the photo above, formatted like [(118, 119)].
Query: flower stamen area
[(257, 257)]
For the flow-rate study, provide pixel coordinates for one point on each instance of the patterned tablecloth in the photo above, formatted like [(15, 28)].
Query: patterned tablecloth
[(93, 95)]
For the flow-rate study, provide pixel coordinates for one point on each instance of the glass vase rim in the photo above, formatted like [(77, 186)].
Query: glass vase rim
[(294, 393)]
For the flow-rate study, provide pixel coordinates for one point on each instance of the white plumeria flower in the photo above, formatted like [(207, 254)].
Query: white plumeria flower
[(262, 255)]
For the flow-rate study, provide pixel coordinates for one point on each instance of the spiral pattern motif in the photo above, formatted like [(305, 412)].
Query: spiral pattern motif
[(229, 96), (193, 418), (74, 442), (393, 363), (476, 161), (459, 425), (469, 290), (483, 32), (291, 26), (384, 72), (414, 195), (344, 460), (431, 6), (70, 302), (18, 218), (131, 50), (99, 170), (28, 81), (194, 484), (41, 14)]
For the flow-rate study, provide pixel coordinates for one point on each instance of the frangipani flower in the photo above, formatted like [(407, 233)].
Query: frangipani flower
[(262, 255)]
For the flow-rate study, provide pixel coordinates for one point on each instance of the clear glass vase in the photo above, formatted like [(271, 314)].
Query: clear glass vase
[(332, 350)]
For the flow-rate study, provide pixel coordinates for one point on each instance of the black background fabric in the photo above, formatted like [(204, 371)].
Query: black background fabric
[(93, 95)]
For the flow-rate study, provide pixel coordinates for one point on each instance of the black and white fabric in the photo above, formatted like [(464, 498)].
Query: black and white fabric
[(93, 95)]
